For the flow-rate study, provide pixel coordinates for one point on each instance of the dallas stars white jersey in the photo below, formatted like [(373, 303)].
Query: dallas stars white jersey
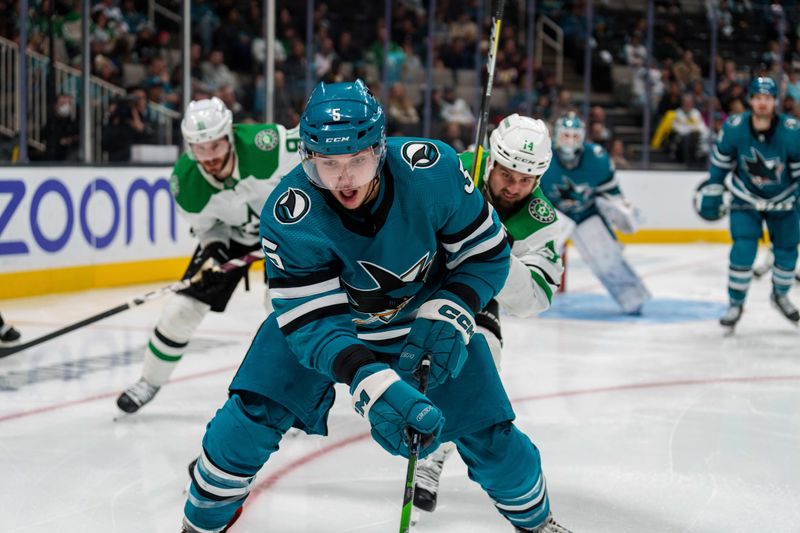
[(229, 210)]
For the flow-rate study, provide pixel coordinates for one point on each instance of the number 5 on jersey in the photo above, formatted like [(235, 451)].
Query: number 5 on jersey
[(269, 251)]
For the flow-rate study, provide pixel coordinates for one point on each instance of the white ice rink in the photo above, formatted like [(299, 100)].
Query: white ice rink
[(654, 424)]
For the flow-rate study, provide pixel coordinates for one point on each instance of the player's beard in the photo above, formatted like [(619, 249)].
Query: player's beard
[(215, 167)]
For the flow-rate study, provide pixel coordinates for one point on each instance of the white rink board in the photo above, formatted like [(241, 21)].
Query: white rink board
[(58, 217), (54, 217)]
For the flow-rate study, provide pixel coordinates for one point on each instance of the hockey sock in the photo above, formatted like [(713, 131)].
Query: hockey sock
[(507, 465), (739, 279), (238, 441), (782, 280), (179, 320)]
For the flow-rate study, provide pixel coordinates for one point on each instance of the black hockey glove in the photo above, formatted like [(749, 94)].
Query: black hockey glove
[(214, 254)]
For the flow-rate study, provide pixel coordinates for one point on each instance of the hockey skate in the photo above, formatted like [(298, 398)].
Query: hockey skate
[(187, 527), (731, 317), (549, 526), (136, 396), (8, 334), (781, 303), (429, 470)]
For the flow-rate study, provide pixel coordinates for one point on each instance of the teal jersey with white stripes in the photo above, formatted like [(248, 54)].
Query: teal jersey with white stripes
[(342, 278), (573, 190), (759, 168)]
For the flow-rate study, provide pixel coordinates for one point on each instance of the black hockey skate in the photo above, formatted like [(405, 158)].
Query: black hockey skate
[(187, 527), (731, 317), (8, 334), (781, 303), (549, 526), (136, 396)]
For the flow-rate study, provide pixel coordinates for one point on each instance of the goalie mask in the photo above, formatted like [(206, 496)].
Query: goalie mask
[(569, 136)]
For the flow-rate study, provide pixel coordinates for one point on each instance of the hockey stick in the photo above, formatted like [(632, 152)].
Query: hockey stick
[(233, 264), (483, 115), (413, 453)]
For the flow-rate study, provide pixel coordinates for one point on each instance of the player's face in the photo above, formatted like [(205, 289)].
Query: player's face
[(212, 155), (763, 105), (569, 140), (509, 187), (348, 176)]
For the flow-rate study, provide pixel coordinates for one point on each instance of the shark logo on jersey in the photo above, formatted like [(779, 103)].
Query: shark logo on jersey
[(763, 171), (572, 197), (292, 206), (392, 294), (420, 154)]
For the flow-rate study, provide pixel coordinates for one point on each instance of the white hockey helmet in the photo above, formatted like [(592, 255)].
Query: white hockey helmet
[(521, 144), (207, 120)]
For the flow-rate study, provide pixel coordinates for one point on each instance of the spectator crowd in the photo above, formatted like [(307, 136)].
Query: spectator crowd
[(227, 54)]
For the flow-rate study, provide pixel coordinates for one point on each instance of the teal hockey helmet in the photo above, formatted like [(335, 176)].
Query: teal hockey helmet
[(762, 85), (569, 134), (342, 119)]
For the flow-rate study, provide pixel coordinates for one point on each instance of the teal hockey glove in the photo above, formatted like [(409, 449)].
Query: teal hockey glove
[(392, 406), (442, 330), (709, 202)]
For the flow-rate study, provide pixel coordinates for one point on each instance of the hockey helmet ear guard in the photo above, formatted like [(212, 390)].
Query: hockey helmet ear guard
[(205, 121), (341, 119), (521, 144), (569, 134)]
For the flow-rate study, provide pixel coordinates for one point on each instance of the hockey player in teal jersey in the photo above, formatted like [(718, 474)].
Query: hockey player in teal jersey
[(380, 252), (219, 186), (757, 159), (581, 184)]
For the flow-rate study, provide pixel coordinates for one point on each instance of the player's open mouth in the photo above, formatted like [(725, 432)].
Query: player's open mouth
[(348, 194)]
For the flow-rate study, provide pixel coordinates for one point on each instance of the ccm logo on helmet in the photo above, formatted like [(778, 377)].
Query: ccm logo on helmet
[(337, 139)]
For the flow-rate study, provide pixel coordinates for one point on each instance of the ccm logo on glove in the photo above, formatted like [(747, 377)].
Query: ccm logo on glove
[(462, 319)]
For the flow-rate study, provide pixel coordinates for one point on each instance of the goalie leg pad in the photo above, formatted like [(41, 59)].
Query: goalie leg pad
[(603, 255), (179, 319), (506, 464), (238, 441)]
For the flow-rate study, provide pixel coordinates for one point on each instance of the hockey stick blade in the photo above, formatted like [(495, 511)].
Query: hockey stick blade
[(413, 454), (233, 264)]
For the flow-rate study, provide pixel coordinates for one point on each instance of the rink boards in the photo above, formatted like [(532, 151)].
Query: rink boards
[(74, 228)]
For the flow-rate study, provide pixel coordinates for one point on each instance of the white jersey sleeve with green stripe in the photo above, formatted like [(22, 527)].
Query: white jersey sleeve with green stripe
[(535, 265), (230, 209)]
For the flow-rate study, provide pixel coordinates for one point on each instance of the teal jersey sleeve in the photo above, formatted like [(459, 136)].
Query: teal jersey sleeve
[(476, 247), (724, 154)]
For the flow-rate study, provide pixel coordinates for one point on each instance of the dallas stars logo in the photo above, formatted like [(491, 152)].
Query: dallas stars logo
[(392, 294), (763, 171), (573, 197)]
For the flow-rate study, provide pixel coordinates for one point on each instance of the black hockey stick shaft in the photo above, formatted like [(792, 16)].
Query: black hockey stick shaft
[(233, 264), (413, 454), (483, 115)]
